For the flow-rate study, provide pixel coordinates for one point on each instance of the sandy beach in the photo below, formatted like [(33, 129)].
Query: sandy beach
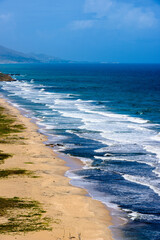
[(74, 215)]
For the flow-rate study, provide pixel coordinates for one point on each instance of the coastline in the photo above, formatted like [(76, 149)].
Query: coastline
[(74, 214)]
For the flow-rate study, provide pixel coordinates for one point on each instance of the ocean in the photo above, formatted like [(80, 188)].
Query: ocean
[(108, 116)]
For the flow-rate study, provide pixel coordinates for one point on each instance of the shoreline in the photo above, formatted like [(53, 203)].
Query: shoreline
[(79, 216)]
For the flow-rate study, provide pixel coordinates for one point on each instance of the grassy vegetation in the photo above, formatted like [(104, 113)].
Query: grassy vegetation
[(18, 215), (13, 139), (22, 215), (4, 156), (8, 125), (4, 173)]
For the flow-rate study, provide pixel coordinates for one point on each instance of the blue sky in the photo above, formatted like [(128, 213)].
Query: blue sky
[(89, 30)]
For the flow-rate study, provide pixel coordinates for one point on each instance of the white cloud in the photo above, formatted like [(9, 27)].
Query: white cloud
[(116, 14), (81, 24), (136, 17), (99, 7), (5, 17)]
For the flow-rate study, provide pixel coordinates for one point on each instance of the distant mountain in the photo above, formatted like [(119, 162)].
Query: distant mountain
[(46, 58), (11, 56)]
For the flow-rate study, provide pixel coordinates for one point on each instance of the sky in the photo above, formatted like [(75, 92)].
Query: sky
[(125, 31)]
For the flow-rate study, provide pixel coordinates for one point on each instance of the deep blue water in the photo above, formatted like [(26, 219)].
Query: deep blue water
[(108, 115)]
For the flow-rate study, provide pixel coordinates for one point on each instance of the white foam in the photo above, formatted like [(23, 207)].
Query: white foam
[(86, 161), (156, 137), (134, 215), (139, 128), (96, 122), (111, 157), (143, 181), (81, 182), (122, 117), (153, 149), (157, 171), (70, 174), (102, 158)]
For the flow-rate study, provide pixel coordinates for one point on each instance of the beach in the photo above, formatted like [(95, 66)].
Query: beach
[(73, 214), (80, 134)]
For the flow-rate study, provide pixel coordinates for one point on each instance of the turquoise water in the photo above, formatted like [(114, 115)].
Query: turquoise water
[(109, 117)]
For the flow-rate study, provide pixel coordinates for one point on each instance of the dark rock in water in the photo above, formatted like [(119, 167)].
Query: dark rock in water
[(60, 145), (5, 77), (99, 102), (54, 145), (50, 145), (14, 74), (107, 154)]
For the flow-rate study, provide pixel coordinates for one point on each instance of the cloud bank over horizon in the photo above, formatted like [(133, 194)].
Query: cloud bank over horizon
[(122, 14), (93, 30)]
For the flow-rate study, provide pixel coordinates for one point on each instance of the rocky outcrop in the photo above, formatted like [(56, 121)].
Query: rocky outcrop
[(5, 77)]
